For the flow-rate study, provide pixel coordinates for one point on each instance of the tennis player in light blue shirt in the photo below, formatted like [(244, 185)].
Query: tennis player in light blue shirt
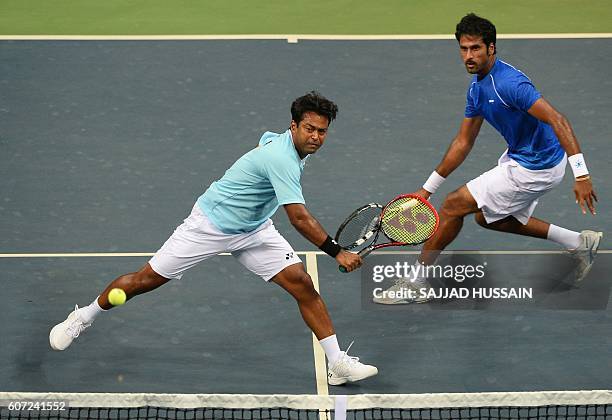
[(233, 215), (255, 186)]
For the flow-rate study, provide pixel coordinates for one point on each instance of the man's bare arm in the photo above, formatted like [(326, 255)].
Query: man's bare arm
[(583, 187), (461, 146), (305, 223), (458, 150), (311, 229)]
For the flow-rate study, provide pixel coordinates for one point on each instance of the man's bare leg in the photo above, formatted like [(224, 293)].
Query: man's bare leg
[(63, 334), (143, 281), (295, 280), (342, 368), (534, 228), (455, 207)]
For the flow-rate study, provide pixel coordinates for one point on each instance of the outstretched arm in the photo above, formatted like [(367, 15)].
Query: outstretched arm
[(583, 188), (455, 155), (311, 229), (461, 146)]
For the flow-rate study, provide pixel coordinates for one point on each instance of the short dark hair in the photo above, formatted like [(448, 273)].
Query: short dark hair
[(471, 24), (313, 102)]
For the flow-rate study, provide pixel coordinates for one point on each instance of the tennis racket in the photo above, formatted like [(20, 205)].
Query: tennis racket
[(408, 219)]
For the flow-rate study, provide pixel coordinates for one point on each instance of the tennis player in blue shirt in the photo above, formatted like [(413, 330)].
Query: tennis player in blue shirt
[(540, 143), (233, 215)]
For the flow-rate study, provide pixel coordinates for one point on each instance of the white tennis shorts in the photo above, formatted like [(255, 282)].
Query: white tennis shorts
[(263, 251), (512, 190)]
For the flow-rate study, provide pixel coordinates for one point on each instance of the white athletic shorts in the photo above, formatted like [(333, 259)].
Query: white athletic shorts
[(512, 190), (263, 251)]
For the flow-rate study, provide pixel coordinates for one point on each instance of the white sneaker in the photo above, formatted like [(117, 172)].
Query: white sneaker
[(404, 291), (348, 369), (585, 253), (63, 334)]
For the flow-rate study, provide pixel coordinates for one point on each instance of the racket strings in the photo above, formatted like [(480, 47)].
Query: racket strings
[(359, 229), (408, 220)]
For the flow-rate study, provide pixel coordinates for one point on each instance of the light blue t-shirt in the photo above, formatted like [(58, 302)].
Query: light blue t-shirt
[(255, 186), (503, 98)]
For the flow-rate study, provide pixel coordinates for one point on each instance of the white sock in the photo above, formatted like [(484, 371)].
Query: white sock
[(564, 237), (331, 347), (89, 313)]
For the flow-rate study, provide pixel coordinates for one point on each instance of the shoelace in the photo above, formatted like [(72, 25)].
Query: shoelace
[(349, 359), (77, 325)]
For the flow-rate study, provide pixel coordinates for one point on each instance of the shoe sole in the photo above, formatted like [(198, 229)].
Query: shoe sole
[(342, 381), (595, 246), (337, 381), (400, 302), (592, 253)]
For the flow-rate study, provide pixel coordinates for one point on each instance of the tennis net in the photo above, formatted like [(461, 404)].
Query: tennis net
[(591, 405)]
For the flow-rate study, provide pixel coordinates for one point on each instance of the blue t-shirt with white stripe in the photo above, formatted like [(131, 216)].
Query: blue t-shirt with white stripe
[(503, 98), (255, 186)]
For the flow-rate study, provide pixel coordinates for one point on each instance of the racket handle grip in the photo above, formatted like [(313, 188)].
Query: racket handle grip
[(342, 269)]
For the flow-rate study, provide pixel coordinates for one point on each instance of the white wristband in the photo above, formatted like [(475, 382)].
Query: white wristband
[(577, 164), (433, 182)]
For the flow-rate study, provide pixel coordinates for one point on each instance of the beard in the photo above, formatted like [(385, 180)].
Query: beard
[(472, 70)]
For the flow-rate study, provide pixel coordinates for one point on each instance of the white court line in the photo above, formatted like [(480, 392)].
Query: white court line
[(150, 254), (319, 354), (489, 252), (292, 39), (80, 254), (95, 254)]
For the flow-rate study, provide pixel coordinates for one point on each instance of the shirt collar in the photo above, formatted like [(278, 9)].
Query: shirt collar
[(480, 79)]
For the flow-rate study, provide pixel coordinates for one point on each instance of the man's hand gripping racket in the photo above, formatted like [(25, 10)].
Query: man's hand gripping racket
[(408, 219)]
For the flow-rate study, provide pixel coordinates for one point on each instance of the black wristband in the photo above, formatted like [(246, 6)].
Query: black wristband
[(330, 247)]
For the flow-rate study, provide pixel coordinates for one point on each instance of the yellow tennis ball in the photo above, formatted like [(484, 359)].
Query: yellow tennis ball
[(117, 297)]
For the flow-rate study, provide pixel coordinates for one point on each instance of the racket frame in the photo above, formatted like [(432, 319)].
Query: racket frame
[(367, 250), (370, 234)]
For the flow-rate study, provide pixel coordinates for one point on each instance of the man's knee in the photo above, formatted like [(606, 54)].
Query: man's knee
[(480, 219), (146, 279), (507, 224), (303, 287), (458, 203)]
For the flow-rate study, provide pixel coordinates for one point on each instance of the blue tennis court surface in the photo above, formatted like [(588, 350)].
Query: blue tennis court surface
[(106, 145)]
